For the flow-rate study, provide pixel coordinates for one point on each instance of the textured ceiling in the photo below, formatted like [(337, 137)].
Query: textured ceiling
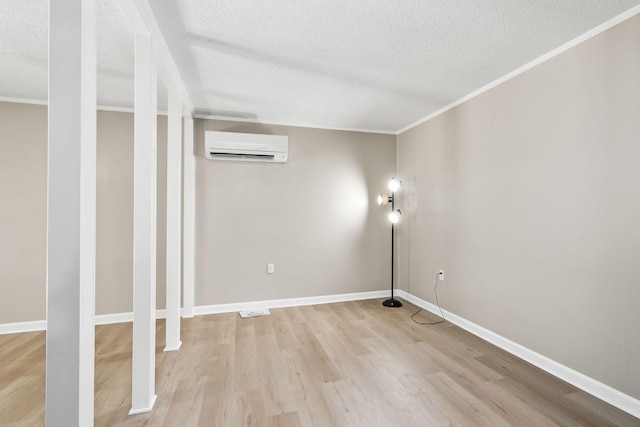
[(374, 65), (377, 64), (24, 53), (23, 49)]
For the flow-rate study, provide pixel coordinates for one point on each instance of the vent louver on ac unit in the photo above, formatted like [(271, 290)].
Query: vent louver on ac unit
[(246, 147)]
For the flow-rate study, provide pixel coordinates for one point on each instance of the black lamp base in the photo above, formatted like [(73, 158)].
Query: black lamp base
[(392, 302)]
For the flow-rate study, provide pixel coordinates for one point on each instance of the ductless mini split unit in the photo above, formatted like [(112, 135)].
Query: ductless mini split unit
[(249, 147)]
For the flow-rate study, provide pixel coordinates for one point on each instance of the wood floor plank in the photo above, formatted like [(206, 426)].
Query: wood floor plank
[(517, 412), (289, 419), (470, 409), (346, 364)]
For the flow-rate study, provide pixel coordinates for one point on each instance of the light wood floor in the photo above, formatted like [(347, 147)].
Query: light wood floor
[(346, 364)]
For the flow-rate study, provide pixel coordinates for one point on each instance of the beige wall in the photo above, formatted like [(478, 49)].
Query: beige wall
[(314, 217), (23, 191), (114, 244), (114, 252), (528, 196), (23, 215)]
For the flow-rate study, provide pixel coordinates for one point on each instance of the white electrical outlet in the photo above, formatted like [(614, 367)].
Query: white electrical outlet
[(441, 275), (271, 268)]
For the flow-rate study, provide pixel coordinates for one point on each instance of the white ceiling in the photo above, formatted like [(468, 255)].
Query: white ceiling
[(24, 30), (342, 64)]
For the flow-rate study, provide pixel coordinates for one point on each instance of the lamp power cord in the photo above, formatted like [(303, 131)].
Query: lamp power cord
[(435, 291)]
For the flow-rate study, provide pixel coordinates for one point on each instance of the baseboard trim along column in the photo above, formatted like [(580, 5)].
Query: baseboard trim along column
[(144, 410), (175, 348), (600, 390)]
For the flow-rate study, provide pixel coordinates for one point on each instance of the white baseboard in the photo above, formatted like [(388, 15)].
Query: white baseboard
[(107, 319), (600, 390), (289, 302), (19, 327), (41, 325)]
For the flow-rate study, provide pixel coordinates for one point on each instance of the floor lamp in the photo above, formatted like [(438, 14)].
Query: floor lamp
[(394, 217)]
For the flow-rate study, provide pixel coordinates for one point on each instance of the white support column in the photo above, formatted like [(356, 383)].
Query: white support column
[(144, 227), (188, 242), (71, 213), (174, 220)]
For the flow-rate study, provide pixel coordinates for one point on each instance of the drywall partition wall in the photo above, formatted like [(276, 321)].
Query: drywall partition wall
[(114, 252), (314, 217), (23, 212), (161, 215), (528, 197), (114, 268), (23, 186)]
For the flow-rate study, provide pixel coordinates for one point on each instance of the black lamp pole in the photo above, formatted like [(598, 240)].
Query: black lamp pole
[(392, 302)]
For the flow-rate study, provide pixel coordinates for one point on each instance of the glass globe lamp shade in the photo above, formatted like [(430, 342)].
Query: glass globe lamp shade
[(394, 216), (394, 185), (383, 199)]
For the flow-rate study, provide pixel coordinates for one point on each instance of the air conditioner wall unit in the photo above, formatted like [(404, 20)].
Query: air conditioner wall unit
[(249, 147)]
